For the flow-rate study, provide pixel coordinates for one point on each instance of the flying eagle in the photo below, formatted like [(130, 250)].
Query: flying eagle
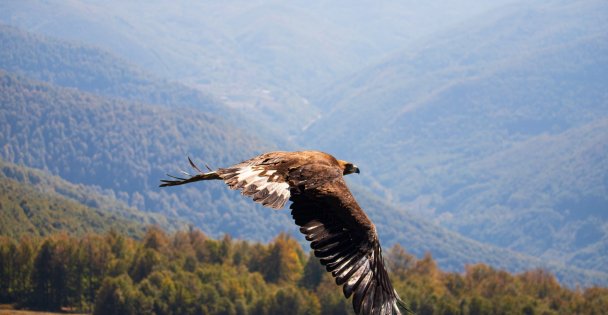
[(341, 234)]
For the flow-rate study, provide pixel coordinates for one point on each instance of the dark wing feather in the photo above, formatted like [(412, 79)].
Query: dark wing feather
[(345, 240)]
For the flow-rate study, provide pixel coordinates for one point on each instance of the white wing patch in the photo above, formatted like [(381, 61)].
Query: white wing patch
[(263, 185)]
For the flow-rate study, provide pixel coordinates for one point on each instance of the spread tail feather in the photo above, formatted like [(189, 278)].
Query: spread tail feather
[(193, 178)]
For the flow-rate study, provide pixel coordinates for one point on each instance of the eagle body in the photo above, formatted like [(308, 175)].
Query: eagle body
[(342, 236)]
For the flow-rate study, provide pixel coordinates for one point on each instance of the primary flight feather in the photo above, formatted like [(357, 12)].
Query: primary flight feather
[(341, 234)]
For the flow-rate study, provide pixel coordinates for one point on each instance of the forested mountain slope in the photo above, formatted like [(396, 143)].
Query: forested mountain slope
[(34, 203), (496, 129), (127, 148), (263, 57), (275, 44), (453, 250), (91, 69)]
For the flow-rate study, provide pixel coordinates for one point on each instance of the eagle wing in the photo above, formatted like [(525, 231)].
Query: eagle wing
[(269, 178), (264, 178), (345, 240)]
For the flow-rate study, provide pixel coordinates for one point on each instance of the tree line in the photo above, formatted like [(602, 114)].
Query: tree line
[(190, 273)]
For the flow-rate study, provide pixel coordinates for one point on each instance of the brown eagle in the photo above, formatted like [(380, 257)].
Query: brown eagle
[(341, 234)]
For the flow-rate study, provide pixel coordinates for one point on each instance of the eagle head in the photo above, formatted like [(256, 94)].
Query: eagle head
[(348, 167)]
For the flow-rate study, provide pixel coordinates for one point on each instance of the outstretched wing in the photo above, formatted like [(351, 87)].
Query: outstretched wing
[(269, 178), (345, 240), (264, 178)]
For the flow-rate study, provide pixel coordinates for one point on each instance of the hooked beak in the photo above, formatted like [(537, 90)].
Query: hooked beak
[(351, 168)]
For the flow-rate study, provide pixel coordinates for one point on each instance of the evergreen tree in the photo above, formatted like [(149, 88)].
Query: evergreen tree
[(42, 295)]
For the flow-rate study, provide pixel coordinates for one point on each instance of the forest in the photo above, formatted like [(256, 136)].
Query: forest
[(52, 128), (464, 157), (188, 272), (481, 130)]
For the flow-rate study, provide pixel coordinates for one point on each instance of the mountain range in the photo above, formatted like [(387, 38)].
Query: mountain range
[(264, 57), (502, 138), (483, 136)]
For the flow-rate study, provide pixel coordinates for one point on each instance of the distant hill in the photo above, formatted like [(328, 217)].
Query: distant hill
[(497, 129), (125, 148), (263, 57), (35, 203), (91, 69), (453, 250)]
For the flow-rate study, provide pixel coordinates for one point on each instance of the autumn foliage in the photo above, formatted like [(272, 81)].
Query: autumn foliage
[(190, 273)]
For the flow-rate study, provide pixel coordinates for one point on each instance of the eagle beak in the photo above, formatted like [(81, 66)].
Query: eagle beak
[(349, 168), (352, 169)]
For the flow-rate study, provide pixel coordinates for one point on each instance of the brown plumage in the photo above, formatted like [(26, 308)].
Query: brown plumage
[(341, 234)]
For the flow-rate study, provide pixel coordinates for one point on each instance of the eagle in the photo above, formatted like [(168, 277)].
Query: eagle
[(341, 235)]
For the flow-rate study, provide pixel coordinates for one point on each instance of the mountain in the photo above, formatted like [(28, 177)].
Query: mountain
[(265, 38), (91, 69), (35, 203), (125, 148), (496, 129), (448, 129), (263, 57), (452, 250)]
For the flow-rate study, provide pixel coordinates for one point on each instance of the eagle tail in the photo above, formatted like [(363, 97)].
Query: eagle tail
[(192, 178)]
